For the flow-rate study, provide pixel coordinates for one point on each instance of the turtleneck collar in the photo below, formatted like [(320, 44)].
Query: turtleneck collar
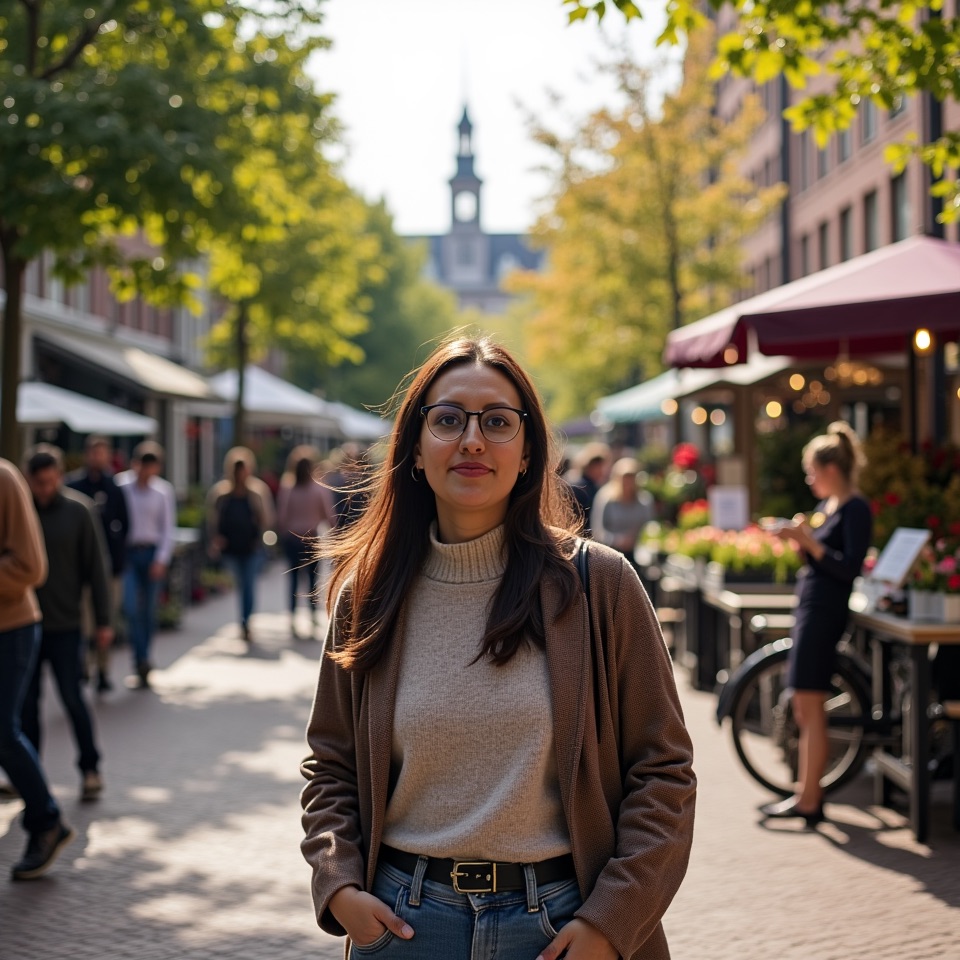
[(475, 561)]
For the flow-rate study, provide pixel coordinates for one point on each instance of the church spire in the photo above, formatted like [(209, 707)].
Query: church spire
[(466, 133)]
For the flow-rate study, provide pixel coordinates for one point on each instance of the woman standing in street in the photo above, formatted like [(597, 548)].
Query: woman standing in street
[(498, 763), (239, 513), (834, 542), (302, 506), (621, 510)]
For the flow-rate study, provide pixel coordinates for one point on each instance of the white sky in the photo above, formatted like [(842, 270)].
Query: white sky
[(402, 68)]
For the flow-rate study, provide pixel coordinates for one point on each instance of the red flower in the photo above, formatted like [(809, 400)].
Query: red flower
[(954, 529), (953, 582), (893, 499), (933, 521)]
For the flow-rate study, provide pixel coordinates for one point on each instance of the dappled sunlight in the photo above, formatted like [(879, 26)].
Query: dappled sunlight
[(234, 670)]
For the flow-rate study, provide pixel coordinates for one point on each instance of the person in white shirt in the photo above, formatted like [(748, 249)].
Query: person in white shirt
[(151, 505)]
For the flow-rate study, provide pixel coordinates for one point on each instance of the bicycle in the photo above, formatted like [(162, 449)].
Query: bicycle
[(766, 737)]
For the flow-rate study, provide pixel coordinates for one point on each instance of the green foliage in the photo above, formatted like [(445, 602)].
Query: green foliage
[(881, 50), (403, 313), (919, 490), (643, 234), (122, 124), (782, 485)]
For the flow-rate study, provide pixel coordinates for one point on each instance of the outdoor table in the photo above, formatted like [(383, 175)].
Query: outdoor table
[(724, 625), (910, 772)]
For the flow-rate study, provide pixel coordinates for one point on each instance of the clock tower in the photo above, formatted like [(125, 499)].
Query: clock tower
[(465, 184), (465, 259)]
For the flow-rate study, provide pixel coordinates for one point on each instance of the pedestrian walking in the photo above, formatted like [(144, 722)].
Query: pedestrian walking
[(23, 567), (239, 513), (95, 480), (621, 509), (498, 763), (151, 508), (303, 506), (834, 543), (591, 468), (77, 558)]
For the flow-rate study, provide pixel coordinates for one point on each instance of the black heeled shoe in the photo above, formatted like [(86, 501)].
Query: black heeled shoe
[(788, 809)]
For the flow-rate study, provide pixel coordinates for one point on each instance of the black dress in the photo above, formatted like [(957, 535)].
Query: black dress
[(823, 593)]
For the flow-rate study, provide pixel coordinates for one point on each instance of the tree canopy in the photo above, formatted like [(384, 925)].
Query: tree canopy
[(127, 130), (879, 50), (404, 313), (642, 235)]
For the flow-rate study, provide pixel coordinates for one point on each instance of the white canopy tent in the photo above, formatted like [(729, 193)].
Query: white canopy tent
[(45, 405), (272, 402)]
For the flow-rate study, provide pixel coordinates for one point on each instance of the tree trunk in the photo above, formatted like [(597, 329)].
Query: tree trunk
[(13, 272), (239, 414)]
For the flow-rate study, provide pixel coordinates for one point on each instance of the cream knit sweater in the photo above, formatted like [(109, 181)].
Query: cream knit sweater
[(473, 756)]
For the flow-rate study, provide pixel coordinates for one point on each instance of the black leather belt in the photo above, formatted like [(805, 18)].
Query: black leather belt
[(481, 876)]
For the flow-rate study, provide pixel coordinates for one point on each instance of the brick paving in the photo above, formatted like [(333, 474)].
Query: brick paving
[(192, 851)]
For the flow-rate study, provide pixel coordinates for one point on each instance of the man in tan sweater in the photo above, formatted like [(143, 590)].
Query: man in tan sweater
[(23, 566)]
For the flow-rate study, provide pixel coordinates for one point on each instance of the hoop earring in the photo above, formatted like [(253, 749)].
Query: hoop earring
[(414, 474)]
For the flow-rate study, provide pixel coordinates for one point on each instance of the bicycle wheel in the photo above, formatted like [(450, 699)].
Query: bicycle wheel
[(766, 736)]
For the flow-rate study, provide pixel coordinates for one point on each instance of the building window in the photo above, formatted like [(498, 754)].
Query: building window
[(900, 207), (823, 162), (898, 107), (846, 234), (843, 146), (869, 120), (823, 241), (804, 255), (871, 222), (803, 167)]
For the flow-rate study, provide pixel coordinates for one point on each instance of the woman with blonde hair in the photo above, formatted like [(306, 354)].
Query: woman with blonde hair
[(621, 509), (834, 542), (498, 759)]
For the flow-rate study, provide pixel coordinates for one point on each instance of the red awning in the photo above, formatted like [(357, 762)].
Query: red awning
[(870, 304)]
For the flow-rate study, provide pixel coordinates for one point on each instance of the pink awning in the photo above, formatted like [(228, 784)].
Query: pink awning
[(871, 304)]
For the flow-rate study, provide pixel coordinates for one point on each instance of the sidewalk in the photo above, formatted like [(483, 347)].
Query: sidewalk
[(193, 850)]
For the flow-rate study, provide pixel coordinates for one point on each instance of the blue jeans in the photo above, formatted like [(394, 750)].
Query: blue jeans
[(64, 652), (244, 568), (302, 557), (18, 654), (515, 925), (140, 602)]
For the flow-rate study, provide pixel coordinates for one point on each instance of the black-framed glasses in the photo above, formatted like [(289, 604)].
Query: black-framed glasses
[(446, 421)]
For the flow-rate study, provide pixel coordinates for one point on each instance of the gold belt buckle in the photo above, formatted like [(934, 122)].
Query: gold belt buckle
[(491, 876)]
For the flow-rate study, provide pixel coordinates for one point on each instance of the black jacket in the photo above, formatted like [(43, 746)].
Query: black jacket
[(76, 555), (112, 507)]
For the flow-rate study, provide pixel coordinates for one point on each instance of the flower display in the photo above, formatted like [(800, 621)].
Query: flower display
[(693, 513), (742, 552), (938, 566), (904, 489)]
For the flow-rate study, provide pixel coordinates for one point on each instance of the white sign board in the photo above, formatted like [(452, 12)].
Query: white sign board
[(729, 507), (899, 555)]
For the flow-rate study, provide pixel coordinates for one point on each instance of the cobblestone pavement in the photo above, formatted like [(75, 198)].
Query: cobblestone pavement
[(192, 852)]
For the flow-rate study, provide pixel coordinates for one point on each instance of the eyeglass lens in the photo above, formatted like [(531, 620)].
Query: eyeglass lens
[(498, 424)]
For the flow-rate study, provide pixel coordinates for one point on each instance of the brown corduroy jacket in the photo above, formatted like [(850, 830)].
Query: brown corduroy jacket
[(628, 793)]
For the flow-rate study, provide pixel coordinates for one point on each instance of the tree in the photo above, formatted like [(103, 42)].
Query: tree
[(644, 232), (879, 50), (404, 312), (119, 118), (293, 272)]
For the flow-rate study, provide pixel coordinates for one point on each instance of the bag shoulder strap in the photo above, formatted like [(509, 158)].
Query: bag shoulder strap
[(596, 649)]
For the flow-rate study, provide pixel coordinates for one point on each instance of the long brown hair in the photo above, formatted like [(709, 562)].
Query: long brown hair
[(382, 552)]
